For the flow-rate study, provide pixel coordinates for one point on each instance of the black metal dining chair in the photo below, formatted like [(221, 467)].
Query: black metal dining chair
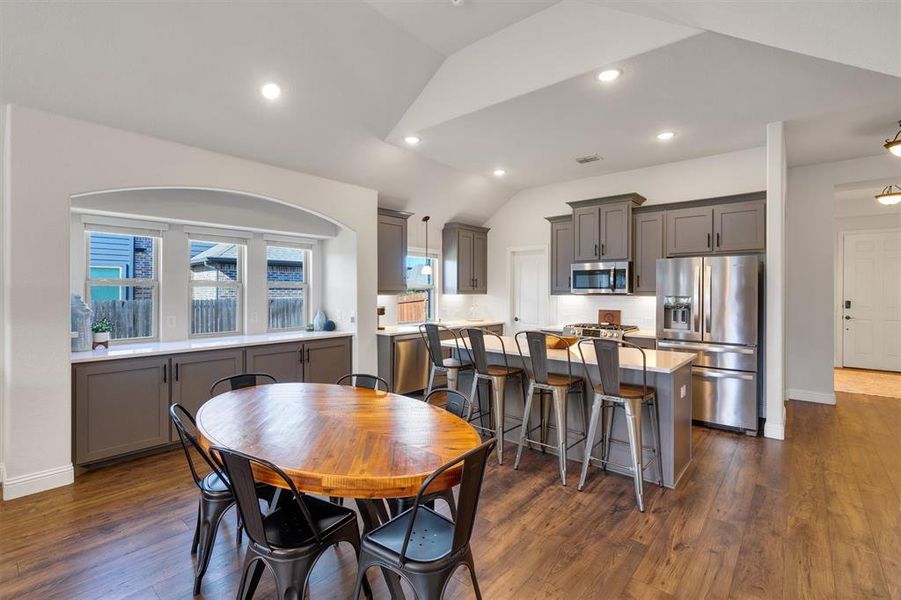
[(289, 539), (460, 406), (243, 380), (216, 496), (364, 380), (421, 545)]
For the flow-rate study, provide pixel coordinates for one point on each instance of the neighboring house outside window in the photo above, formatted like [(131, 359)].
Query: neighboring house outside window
[(121, 282), (418, 303), (287, 287), (216, 287)]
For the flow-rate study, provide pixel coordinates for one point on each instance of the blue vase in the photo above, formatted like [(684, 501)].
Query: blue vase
[(319, 320)]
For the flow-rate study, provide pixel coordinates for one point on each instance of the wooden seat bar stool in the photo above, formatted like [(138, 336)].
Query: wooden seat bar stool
[(496, 376), (431, 334), (611, 394), (559, 386)]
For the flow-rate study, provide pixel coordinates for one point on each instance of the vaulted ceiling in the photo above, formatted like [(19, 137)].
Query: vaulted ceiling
[(485, 84)]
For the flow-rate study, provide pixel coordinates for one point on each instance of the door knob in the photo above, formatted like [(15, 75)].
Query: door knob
[(847, 318), (516, 318)]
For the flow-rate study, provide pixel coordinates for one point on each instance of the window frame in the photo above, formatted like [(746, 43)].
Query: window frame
[(237, 284), (433, 288), (301, 285), (153, 284)]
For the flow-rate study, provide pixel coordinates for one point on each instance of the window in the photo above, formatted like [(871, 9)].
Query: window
[(122, 283), (216, 289), (287, 287), (417, 304)]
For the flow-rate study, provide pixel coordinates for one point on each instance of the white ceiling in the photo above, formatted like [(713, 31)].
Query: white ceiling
[(447, 28), (718, 93), (350, 71)]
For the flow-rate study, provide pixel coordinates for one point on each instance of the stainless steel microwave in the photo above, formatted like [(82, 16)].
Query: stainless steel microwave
[(601, 278)]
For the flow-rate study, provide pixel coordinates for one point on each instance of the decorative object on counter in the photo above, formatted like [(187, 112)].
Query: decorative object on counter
[(330, 325), (81, 324), (319, 320), (379, 312), (427, 268), (101, 330), (889, 196), (612, 316)]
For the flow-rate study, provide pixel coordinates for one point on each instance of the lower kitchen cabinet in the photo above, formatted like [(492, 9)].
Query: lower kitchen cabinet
[(327, 361), (195, 372), (282, 361), (120, 406)]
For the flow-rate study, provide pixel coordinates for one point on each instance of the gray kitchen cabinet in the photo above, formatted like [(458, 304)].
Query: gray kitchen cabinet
[(615, 230), (739, 227), (392, 250), (648, 248), (602, 228), (561, 253), (283, 361), (464, 259), (587, 233), (193, 373), (120, 407), (327, 361), (689, 230)]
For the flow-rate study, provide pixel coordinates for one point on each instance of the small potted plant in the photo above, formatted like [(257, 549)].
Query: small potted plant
[(101, 328)]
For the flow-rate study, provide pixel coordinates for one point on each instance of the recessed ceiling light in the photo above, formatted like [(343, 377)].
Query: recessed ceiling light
[(665, 136), (412, 140), (499, 172), (609, 75), (271, 91)]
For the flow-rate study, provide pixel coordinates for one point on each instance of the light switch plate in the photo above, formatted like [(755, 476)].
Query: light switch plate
[(683, 391)]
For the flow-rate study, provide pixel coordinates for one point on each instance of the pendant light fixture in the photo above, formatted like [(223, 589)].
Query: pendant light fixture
[(890, 194), (894, 145), (427, 267)]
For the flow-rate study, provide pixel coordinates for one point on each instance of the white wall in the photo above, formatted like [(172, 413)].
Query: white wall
[(48, 159), (521, 222), (810, 268)]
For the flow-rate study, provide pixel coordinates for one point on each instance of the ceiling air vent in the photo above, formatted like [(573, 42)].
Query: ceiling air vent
[(584, 160)]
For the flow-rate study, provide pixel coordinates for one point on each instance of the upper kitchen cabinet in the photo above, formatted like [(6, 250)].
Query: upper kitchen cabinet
[(392, 240), (648, 237), (561, 253), (739, 227), (689, 230), (724, 225), (464, 259), (602, 227)]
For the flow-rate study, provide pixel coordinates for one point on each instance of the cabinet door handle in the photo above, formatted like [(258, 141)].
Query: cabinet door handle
[(708, 240), (165, 369), (595, 249), (569, 281), (308, 355), (637, 280), (300, 356), (176, 371), (603, 249), (717, 240)]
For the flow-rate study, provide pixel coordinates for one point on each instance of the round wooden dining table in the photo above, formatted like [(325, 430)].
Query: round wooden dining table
[(337, 440)]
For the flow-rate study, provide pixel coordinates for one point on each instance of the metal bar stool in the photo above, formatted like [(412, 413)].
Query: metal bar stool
[(431, 335), (496, 377), (559, 386), (611, 394)]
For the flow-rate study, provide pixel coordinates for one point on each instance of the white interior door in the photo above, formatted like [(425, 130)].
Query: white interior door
[(871, 307), (528, 289)]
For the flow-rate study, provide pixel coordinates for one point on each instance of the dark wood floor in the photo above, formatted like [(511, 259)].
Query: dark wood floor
[(816, 517)]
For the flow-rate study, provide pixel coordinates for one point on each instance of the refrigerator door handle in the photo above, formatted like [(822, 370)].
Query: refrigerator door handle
[(697, 325), (711, 374), (702, 348), (707, 291)]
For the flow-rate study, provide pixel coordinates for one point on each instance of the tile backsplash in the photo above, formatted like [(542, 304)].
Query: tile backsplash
[(636, 310)]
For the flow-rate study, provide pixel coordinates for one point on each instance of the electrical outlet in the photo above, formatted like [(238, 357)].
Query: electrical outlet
[(683, 391)]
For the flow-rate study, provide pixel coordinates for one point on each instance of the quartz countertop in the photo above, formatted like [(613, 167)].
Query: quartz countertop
[(141, 349), (641, 333), (629, 358), (392, 330)]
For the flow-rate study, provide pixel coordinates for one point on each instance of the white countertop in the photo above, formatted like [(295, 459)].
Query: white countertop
[(638, 333), (629, 358), (142, 349), (392, 330)]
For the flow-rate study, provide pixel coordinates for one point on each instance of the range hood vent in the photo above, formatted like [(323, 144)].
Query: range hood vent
[(584, 160)]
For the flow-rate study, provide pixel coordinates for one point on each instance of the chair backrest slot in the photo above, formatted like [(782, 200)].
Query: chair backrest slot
[(243, 380), (364, 380), (455, 402)]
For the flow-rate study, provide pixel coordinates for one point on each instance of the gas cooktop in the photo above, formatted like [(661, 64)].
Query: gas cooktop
[(597, 330)]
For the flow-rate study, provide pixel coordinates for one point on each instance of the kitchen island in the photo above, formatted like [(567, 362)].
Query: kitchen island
[(669, 373)]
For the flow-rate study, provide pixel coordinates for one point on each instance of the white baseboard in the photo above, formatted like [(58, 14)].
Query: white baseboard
[(16, 487), (810, 396), (774, 431)]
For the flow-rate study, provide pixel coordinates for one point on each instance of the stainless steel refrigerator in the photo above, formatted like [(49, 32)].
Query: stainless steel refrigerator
[(710, 306)]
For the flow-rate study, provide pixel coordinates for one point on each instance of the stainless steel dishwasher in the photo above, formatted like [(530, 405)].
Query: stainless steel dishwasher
[(411, 364)]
